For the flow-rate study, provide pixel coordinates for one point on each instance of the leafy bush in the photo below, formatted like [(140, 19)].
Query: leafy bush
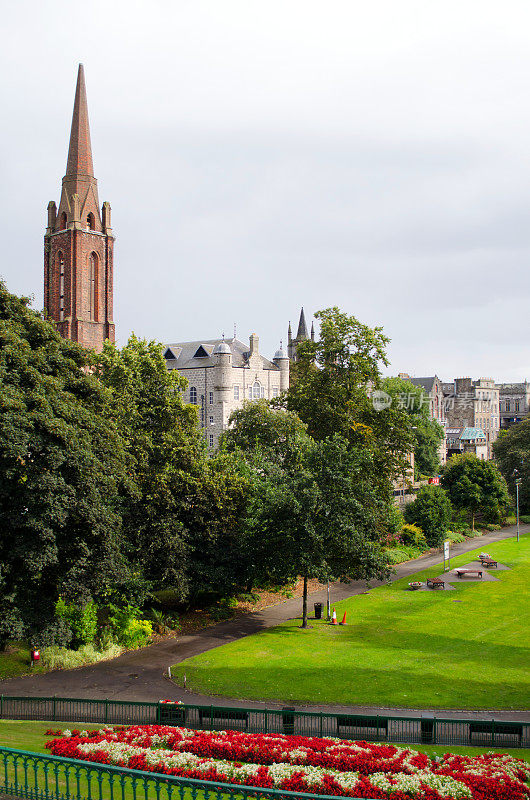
[(511, 519), (490, 526), (130, 631), (525, 518), (455, 536), (396, 555), (82, 619), (412, 535), (62, 658)]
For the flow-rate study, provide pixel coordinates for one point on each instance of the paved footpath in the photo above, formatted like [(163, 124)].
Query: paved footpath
[(140, 674)]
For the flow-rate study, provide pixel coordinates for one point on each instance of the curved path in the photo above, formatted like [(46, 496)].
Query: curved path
[(139, 674)]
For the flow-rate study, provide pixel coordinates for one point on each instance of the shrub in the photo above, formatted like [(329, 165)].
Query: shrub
[(412, 535), (455, 536), (62, 658), (524, 518), (431, 511), (490, 526), (130, 631), (82, 619), (511, 520), (396, 555)]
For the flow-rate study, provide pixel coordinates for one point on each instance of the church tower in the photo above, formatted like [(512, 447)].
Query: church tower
[(78, 244)]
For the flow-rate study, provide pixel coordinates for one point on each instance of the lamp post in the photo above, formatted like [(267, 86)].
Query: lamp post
[(517, 484)]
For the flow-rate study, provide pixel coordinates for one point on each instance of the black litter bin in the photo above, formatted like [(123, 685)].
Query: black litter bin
[(288, 719), (318, 610)]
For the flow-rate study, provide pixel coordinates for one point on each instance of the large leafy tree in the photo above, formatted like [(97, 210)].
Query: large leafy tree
[(427, 433), (312, 510), (182, 513), (512, 451), (476, 487), (431, 511), (332, 389), (61, 463)]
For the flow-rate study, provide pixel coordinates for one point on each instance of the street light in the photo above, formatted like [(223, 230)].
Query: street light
[(518, 480)]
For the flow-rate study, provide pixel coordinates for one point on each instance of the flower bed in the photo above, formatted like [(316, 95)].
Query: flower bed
[(302, 764)]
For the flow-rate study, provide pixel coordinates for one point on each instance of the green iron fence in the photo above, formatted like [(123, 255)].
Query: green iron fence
[(381, 728), (45, 777)]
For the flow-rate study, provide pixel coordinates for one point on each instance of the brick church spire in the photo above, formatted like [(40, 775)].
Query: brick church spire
[(80, 150), (78, 244)]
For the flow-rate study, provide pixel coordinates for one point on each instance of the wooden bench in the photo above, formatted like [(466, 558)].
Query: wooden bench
[(495, 729), (488, 562), (227, 715), (462, 572), (360, 724), (436, 583)]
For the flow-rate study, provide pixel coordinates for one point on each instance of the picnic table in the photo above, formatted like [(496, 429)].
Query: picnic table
[(468, 571), (436, 583), (488, 562)]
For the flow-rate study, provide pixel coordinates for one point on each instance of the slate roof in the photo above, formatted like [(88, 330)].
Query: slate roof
[(425, 383), (185, 354)]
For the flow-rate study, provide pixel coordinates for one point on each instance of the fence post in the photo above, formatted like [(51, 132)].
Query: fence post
[(434, 730), (493, 731), (266, 721), (377, 727), (321, 723), (1, 706), (106, 710), (54, 713), (211, 718)]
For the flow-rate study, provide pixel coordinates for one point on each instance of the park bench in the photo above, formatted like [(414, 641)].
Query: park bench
[(357, 725), (495, 729), (462, 572), (436, 583), (227, 716), (488, 562)]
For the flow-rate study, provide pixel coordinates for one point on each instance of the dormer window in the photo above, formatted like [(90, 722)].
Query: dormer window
[(201, 353), (169, 354)]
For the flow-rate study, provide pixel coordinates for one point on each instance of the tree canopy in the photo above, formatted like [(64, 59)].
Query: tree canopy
[(512, 451), (331, 391), (476, 487), (431, 511), (427, 433), (61, 466), (312, 509)]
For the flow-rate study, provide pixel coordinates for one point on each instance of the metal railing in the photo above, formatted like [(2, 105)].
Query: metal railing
[(45, 777), (382, 728)]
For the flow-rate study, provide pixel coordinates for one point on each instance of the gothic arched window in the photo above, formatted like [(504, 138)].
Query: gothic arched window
[(93, 287), (62, 223), (193, 395), (60, 269), (257, 391), (91, 222)]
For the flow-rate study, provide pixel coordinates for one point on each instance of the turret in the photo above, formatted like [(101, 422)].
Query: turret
[(281, 360), (223, 356)]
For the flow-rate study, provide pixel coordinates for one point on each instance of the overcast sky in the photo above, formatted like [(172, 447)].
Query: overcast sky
[(260, 156)]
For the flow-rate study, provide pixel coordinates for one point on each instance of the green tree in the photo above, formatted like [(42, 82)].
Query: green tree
[(181, 514), (312, 509), (427, 433), (476, 487), (431, 511), (512, 451), (332, 391), (61, 465)]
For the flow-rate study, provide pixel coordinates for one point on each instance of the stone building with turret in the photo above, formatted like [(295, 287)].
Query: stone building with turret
[(221, 374)]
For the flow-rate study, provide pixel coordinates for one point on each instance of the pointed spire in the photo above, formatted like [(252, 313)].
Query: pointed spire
[(302, 328), (80, 151), (312, 331)]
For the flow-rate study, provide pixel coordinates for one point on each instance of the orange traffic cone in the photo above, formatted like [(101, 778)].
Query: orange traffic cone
[(343, 620), (334, 618)]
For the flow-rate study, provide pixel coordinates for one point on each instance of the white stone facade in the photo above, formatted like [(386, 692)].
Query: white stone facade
[(222, 374)]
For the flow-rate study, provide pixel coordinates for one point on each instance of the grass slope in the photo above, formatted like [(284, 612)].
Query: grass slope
[(467, 648)]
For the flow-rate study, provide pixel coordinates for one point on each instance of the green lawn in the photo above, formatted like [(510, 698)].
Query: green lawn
[(14, 661), (467, 648)]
